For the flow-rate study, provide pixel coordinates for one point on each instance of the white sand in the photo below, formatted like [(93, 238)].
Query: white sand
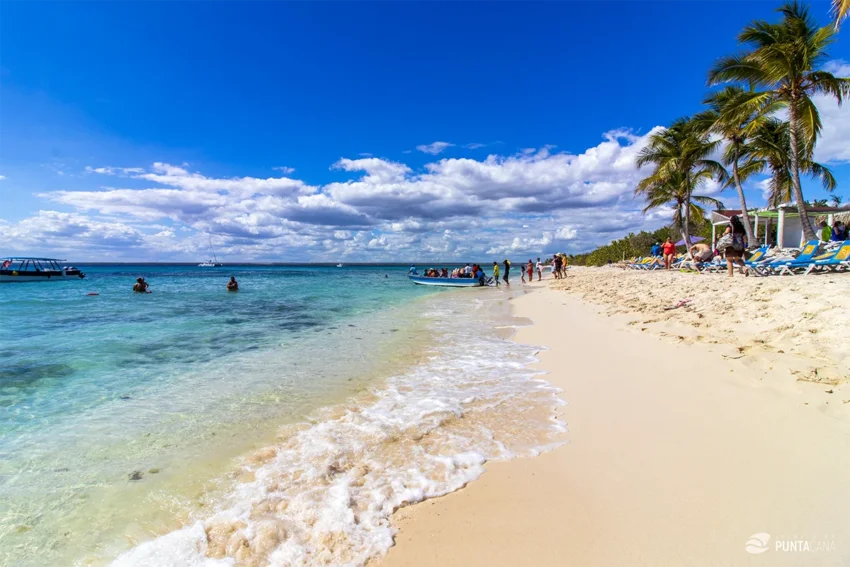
[(677, 454)]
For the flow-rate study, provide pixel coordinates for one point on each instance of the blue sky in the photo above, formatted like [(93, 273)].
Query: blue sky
[(299, 131)]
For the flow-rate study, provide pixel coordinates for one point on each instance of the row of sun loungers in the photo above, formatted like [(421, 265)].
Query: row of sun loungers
[(814, 257)]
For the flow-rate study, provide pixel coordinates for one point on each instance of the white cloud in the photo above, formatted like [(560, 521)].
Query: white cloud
[(2, 177), (566, 233), (108, 170), (52, 232), (285, 170), (434, 148), (451, 208), (834, 142), (833, 145)]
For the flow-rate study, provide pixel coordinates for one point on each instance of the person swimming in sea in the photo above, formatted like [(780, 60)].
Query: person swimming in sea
[(232, 285), (141, 286)]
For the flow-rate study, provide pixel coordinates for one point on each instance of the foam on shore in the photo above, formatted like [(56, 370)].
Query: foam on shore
[(324, 493)]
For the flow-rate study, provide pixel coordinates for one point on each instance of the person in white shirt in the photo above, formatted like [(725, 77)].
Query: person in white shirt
[(539, 270)]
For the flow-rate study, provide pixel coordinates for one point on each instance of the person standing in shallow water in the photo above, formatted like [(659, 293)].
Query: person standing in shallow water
[(496, 273), (232, 285), (507, 272), (539, 270), (141, 286)]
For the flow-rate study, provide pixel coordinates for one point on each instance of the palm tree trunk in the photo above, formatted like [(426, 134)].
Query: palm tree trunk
[(686, 227), (746, 218), (808, 231)]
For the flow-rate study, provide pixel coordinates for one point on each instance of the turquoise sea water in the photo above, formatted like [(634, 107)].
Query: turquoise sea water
[(123, 416)]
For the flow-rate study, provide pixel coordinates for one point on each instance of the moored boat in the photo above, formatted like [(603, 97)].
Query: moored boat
[(24, 269), (214, 263), (445, 282)]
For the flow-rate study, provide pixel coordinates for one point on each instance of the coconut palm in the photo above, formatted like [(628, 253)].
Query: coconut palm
[(783, 61), (728, 117), (675, 191), (769, 147), (680, 155), (836, 200), (840, 9)]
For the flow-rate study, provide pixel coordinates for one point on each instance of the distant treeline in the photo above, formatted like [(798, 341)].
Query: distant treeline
[(633, 245)]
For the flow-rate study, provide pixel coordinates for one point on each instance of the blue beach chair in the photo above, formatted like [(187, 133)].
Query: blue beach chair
[(758, 259), (786, 266), (838, 259)]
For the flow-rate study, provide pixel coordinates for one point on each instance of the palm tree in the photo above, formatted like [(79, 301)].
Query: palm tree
[(836, 200), (769, 147), (673, 190), (840, 9), (734, 121), (680, 156), (783, 60)]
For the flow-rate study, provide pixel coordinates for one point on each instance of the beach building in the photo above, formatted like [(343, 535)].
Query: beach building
[(784, 219)]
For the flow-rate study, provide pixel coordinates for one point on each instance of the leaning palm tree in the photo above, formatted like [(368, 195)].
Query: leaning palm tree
[(734, 121), (676, 191), (783, 61), (840, 9), (680, 155)]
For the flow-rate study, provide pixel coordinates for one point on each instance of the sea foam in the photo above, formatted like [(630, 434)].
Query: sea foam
[(324, 494)]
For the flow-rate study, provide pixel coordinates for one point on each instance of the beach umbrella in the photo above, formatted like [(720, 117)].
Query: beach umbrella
[(694, 239)]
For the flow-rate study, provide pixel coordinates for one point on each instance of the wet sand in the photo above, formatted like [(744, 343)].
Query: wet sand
[(679, 450)]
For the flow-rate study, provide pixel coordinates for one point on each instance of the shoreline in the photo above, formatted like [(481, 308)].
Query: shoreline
[(323, 492), (675, 456)]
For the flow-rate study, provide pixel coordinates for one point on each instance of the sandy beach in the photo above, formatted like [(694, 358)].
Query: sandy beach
[(689, 432)]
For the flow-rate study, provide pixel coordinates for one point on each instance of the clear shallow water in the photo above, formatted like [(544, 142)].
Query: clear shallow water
[(125, 417)]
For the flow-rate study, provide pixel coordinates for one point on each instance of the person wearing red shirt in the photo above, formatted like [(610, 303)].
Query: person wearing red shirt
[(669, 250)]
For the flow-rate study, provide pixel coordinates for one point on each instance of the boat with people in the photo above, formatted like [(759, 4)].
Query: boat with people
[(446, 282), (27, 269), (469, 276)]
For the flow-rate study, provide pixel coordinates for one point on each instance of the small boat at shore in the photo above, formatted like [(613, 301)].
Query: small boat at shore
[(24, 269), (445, 282)]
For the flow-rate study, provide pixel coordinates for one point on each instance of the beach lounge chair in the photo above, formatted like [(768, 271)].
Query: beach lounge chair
[(758, 259), (717, 264), (837, 259), (642, 263), (788, 266)]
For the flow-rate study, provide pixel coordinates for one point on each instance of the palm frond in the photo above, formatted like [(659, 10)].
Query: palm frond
[(840, 10)]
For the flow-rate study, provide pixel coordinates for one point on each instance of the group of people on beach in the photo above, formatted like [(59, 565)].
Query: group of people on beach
[(835, 233), (558, 263), (141, 286), (732, 245)]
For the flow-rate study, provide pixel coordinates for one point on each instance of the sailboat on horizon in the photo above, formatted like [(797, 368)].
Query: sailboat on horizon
[(214, 263)]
